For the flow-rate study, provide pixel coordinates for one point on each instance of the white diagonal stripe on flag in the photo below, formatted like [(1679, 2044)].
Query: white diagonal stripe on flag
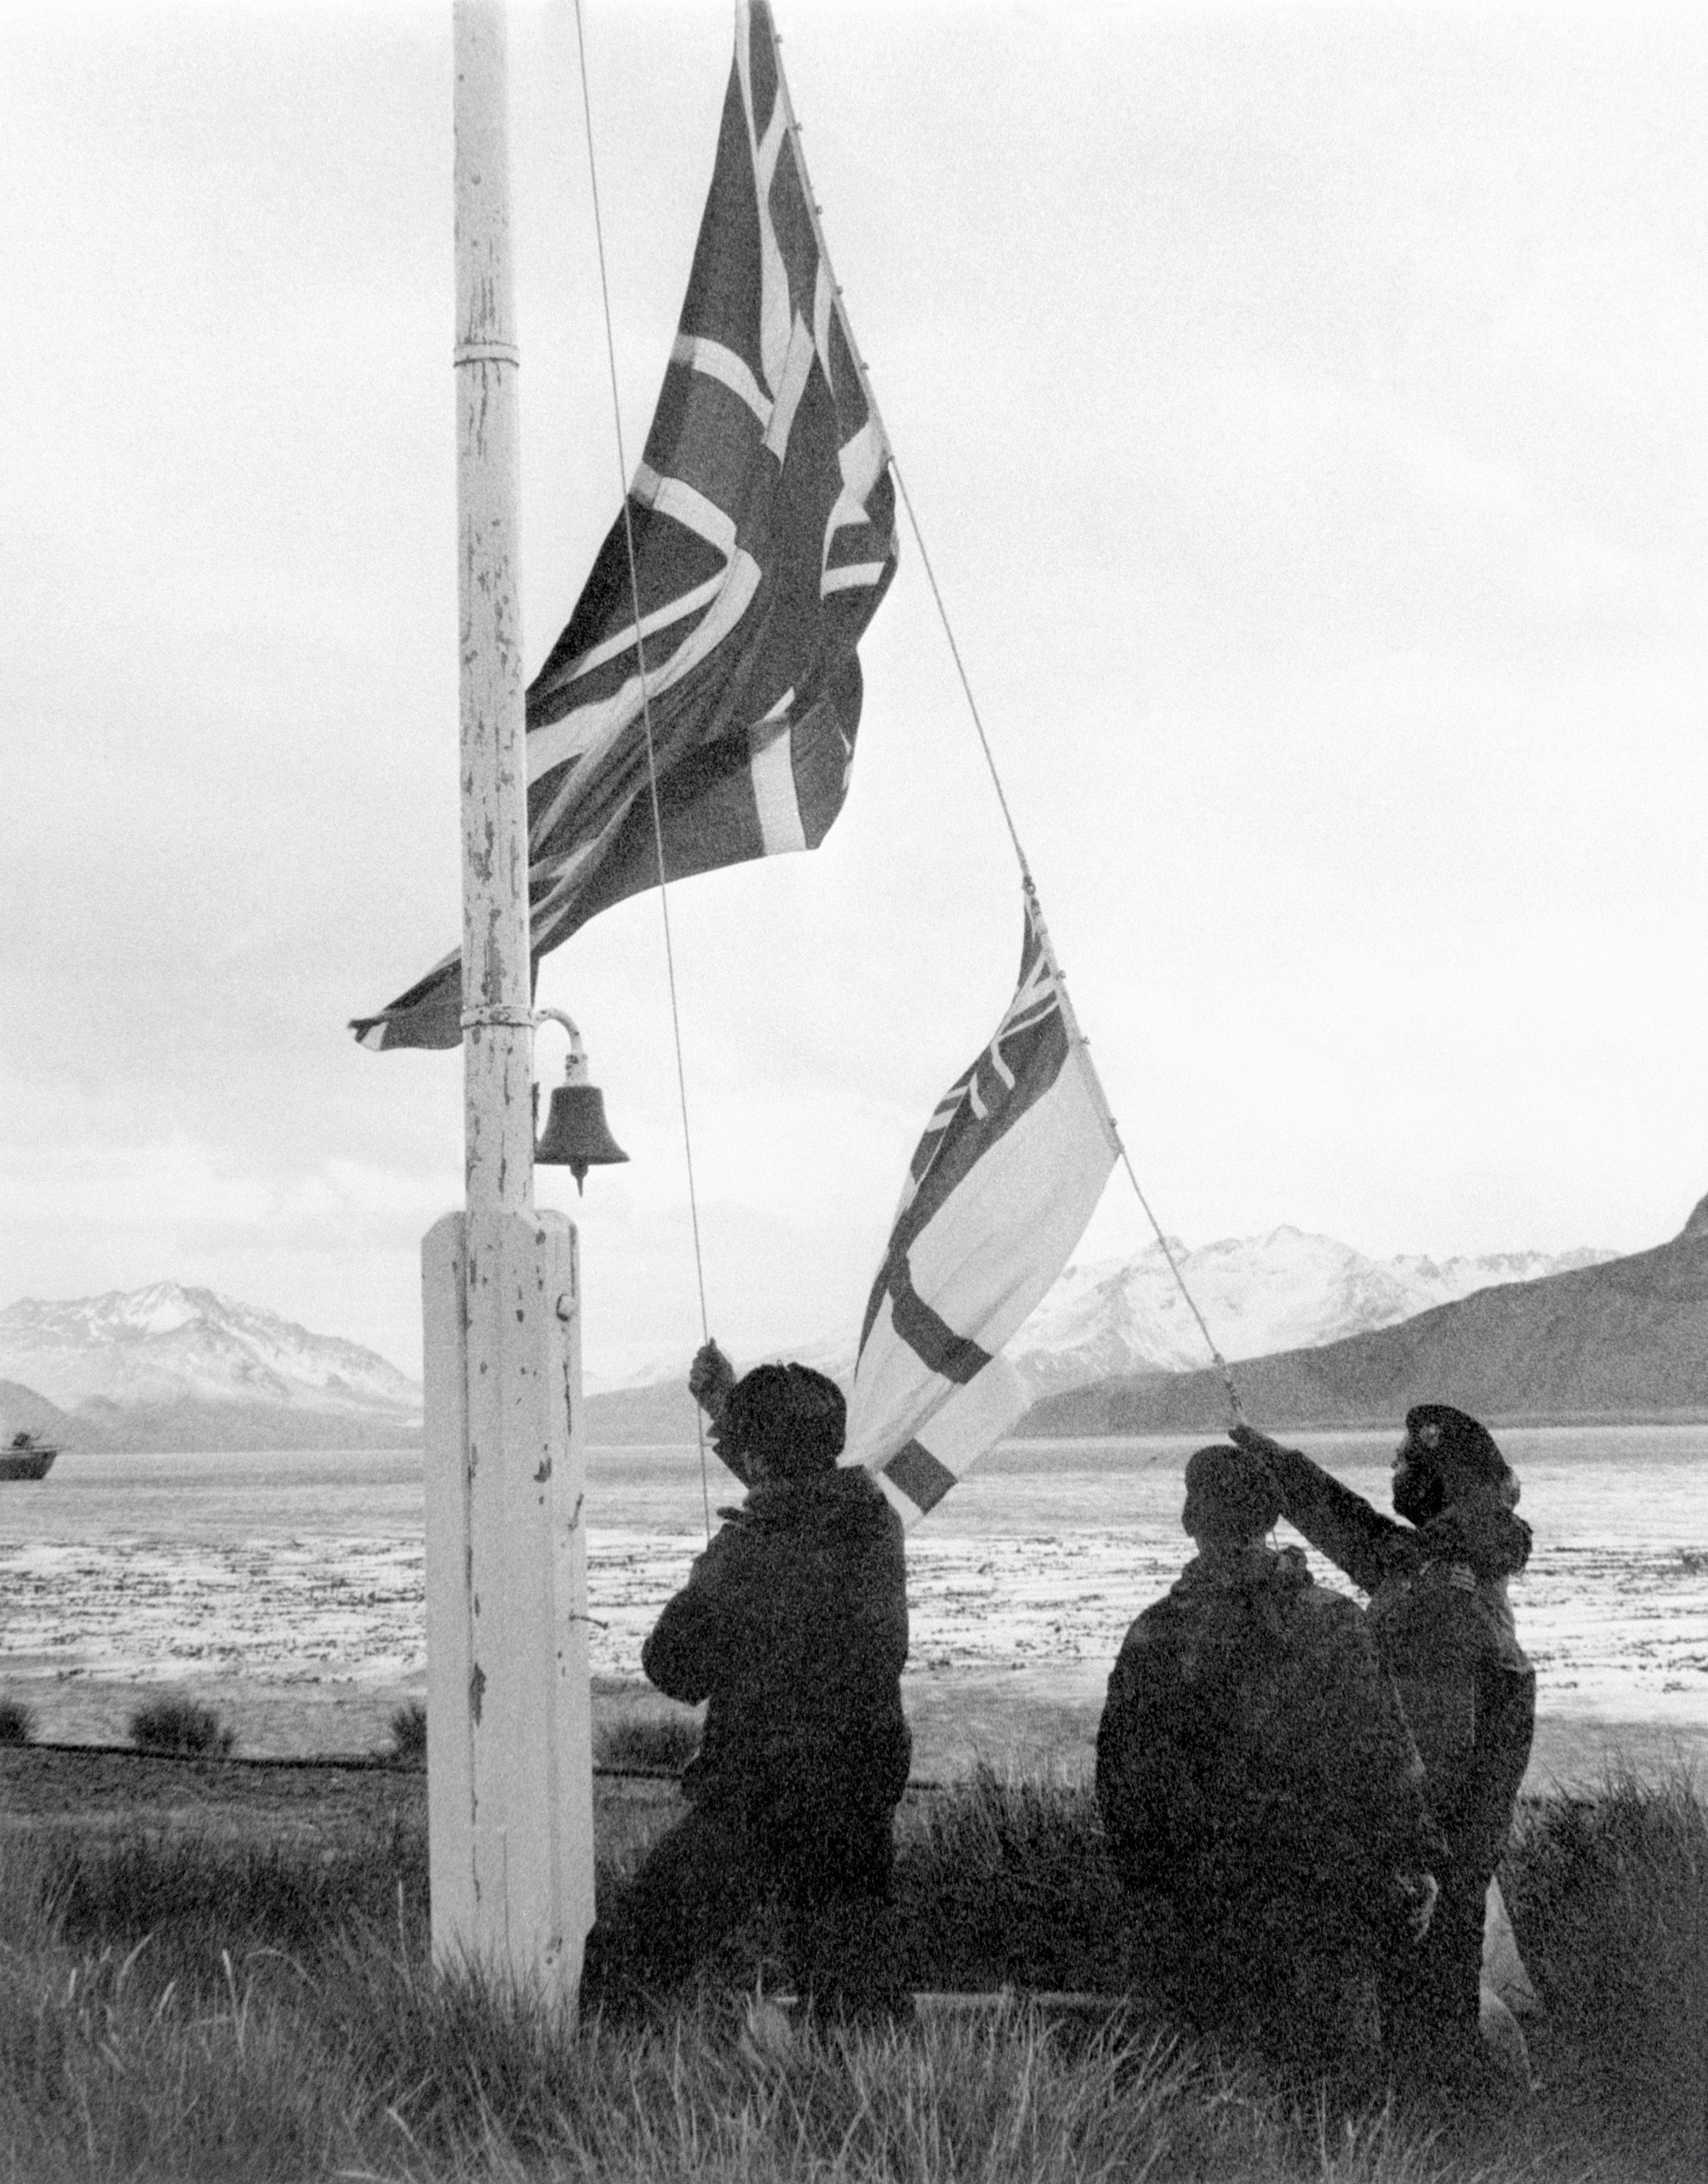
[(742, 581), (672, 497), (757, 557), (797, 365), (824, 306), (717, 362), (578, 733), (777, 314), (861, 461), (854, 578), (772, 771)]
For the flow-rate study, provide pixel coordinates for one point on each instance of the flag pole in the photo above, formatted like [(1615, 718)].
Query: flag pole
[(497, 1033), (509, 1774)]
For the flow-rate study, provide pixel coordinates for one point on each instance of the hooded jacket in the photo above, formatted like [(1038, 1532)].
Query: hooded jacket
[(1251, 1740), (793, 1625), (1442, 1621)]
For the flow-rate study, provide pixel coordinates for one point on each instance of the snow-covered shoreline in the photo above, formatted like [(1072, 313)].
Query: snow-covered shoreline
[(287, 1589), (1620, 1631)]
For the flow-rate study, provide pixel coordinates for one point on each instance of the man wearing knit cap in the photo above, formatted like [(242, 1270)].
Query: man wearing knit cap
[(1436, 1574), (793, 1629), (1262, 1797)]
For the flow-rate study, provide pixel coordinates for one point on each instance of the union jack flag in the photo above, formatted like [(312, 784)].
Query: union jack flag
[(998, 1192), (763, 514)]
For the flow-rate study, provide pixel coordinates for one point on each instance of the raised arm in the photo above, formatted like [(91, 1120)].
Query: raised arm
[(1343, 1525), (711, 1379)]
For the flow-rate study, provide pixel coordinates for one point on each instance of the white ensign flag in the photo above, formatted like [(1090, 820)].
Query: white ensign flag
[(1009, 1172)]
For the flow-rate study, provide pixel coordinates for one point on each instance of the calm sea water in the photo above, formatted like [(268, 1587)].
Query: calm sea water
[(1628, 1486)]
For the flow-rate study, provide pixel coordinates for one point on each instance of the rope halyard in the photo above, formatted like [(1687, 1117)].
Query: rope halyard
[(1077, 1037), (793, 129), (1221, 1362), (1077, 1040), (1082, 1046), (652, 755)]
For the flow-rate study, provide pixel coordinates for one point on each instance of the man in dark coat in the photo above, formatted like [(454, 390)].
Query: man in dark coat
[(1262, 1799), (1436, 1581), (792, 1628)]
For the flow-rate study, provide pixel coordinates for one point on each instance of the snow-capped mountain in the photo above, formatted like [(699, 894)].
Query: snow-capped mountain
[(1287, 1290), (171, 1366), (1613, 1337)]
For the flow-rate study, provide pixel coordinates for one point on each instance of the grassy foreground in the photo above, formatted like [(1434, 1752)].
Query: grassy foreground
[(176, 2009)]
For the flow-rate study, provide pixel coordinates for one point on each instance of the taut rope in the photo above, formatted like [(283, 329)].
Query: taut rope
[(792, 124), (1028, 884), (652, 755)]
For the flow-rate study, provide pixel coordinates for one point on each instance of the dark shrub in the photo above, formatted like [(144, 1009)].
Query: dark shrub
[(180, 1725), (1610, 1901), (17, 1722), (1005, 1882), (409, 1736), (199, 1901)]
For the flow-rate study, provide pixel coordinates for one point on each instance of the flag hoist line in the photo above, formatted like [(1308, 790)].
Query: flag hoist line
[(1080, 1044), (651, 751)]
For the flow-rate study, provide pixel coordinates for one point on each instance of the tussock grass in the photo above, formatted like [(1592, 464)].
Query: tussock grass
[(408, 1728), (648, 1740), (17, 1722), (174, 2008), (194, 1903), (104, 2074), (1609, 1900), (1004, 1884), (180, 1725)]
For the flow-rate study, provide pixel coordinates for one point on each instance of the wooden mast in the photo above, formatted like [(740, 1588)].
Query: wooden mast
[(509, 1788)]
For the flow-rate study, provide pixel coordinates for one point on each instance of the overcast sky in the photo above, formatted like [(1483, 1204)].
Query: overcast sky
[(1304, 410)]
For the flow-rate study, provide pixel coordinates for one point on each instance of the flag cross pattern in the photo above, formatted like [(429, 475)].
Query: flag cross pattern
[(998, 1192), (762, 514), (1022, 1061)]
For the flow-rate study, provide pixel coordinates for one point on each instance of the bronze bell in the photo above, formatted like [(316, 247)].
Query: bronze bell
[(576, 1136)]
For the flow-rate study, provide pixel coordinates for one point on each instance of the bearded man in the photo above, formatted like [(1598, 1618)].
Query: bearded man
[(1436, 1574)]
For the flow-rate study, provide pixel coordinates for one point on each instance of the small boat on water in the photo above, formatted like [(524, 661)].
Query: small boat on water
[(27, 1457)]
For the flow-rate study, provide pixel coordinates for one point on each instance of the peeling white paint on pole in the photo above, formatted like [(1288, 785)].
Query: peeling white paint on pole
[(509, 1771), (498, 1042), (510, 1764)]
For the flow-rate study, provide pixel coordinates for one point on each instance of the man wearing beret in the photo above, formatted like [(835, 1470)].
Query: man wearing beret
[(1436, 1573), (1262, 1797), (793, 1629)]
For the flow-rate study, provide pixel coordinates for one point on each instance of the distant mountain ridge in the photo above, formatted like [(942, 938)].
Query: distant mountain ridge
[(175, 1367), (170, 1367), (1288, 1289), (1620, 1337), (1283, 1291)]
